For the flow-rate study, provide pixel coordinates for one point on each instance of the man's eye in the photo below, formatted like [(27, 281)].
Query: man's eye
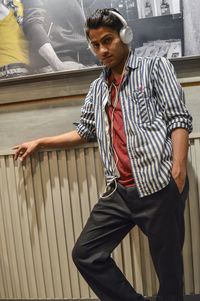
[(95, 46), (107, 40)]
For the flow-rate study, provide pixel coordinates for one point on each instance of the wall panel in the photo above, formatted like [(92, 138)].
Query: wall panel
[(44, 204)]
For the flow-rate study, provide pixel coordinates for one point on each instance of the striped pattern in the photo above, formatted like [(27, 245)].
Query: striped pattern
[(152, 105), (44, 205)]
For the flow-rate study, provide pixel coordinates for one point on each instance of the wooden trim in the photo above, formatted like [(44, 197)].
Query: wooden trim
[(47, 86), (193, 82), (194, 135), (190, 84), (45, 100), (48, 76), (61, 86)]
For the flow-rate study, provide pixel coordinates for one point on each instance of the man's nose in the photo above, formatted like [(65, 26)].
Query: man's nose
[(102, 49)]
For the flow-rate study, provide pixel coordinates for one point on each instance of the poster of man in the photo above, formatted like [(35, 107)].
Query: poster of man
[(42, 36)]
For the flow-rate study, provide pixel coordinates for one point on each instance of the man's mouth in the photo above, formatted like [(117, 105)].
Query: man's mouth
[(107, 58)]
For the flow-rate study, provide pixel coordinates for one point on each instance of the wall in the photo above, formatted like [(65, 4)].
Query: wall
[(191, 11), (45, 202), (29, 121), (48, 105)]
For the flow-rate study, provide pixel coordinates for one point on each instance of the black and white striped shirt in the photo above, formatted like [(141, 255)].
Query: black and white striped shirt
[(152, 106)]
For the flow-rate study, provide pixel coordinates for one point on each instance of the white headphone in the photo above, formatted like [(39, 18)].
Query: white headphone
[(126, 33)]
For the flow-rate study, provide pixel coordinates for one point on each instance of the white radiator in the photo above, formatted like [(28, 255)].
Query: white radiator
[(44, 204)]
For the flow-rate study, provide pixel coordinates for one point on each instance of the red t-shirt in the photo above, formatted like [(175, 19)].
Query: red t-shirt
[(119, 137)]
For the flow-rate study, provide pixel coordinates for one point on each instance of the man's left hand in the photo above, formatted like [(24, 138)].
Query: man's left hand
[(179, 177)]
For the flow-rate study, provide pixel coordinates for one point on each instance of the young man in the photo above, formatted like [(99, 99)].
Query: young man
[(136, 111)]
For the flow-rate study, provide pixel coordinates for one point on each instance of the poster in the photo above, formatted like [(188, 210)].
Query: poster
[(43, 36)]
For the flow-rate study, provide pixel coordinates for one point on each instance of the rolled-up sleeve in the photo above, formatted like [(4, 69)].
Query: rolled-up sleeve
[(170, 96), (86, 127)]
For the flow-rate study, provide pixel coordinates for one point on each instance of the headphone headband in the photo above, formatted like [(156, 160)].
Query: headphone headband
[(119, 16), (126, 33)]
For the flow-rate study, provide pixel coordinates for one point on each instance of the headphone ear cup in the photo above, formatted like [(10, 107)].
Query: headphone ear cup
[(126, 35)]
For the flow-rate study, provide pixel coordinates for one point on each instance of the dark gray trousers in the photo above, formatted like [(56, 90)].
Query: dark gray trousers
[(160, 216)]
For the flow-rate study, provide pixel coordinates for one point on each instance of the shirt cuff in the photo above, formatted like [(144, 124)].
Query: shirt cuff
[(180, 123), (85, 132)]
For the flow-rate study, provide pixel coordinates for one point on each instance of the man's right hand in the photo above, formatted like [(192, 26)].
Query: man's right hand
[(26, 148), (64, 140)]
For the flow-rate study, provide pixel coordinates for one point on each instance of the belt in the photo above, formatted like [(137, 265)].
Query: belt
[(13, 69)]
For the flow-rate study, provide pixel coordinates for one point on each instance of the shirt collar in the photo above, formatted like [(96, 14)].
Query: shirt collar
[(133, 63)]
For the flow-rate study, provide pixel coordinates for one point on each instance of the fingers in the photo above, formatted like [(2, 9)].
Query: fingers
[(22, 151), (15, 147), (25, 149), (24, 155), (19, 149)]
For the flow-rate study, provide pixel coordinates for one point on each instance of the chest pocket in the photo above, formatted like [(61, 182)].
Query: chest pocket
[(145, 105)]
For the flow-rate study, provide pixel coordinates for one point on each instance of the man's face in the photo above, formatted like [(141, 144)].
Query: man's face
[(108, 46)]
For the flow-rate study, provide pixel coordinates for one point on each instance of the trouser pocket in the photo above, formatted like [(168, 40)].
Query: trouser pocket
[(184, 194)]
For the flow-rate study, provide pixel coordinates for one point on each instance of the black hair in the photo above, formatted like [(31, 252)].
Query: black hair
[(102, 17)]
